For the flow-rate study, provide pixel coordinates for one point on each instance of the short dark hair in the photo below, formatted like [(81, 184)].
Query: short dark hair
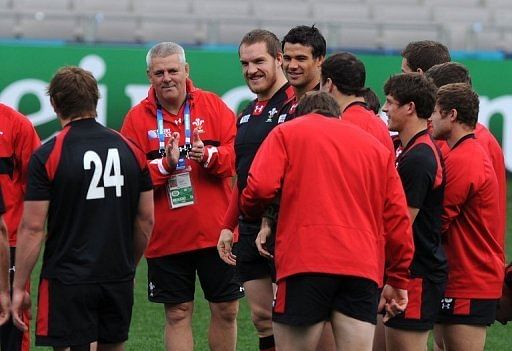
[(74, 92), (318, 102), (424, 54), (372, 100), (262, 36), (447, 73), (346, 71), (460, 97), (413, 87), (307, 36)]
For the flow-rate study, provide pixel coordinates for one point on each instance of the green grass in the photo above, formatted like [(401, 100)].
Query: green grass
[(146, 331)]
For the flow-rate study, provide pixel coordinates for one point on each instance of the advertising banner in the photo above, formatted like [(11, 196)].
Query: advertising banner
[(25, 71)]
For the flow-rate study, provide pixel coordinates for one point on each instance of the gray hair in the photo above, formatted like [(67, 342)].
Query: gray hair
[(165, 49)]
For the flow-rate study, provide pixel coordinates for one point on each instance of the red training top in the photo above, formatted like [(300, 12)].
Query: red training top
[(339, 188)]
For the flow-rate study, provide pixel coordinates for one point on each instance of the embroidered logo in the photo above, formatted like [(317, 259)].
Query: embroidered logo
[(292, 108), (244, 119), (178, 121), (198, 123), (259, 107), (151, 289), (446, 303), (271, 114), (282, 118)]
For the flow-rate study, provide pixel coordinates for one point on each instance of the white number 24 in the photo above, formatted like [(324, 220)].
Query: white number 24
[(112, 176)]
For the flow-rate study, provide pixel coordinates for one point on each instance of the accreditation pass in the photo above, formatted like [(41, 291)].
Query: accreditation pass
[(179, 190)]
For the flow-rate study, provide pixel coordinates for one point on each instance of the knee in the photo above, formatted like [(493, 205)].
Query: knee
[(225, 311), (180, 313), (262, 319)]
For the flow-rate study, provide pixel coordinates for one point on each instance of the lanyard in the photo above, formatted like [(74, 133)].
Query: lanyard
[(160, 127)]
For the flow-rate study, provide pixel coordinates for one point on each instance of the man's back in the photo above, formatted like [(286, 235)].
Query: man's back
[(93, 179), (335, 185)]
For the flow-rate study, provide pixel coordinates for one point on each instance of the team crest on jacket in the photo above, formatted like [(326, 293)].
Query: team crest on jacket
[(198, 123)]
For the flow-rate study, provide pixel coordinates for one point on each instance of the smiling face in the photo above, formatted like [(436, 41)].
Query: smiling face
[(168, 76), (259, 68), (396, 114), (301, 69)]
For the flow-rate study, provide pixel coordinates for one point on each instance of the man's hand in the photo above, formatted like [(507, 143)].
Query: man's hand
[(225, 246), (262, 238), (393, 300), (172, 151), (20, 303), (197, 151), (5, 307)]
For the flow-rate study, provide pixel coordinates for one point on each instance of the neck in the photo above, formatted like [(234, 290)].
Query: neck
[(411, 129), (301, 91), (173, 106), (280, 81), (65, 122), (345, 100), (458, 132)]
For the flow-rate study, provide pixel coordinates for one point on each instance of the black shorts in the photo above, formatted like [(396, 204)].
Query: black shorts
[(172, 279), (467, 311), (78, 314), (250, 264), (307, 299), (422, 308)]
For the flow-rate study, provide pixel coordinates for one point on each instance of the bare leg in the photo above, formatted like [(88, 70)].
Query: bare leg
[(438, 338), (461, 337), (406, 340), (294, 338), (352, 334), (379, 339), (326, 342), (222, 332), (178, 327), (259, 293)]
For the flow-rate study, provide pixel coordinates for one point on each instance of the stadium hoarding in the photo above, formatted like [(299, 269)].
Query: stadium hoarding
[(121, 73)]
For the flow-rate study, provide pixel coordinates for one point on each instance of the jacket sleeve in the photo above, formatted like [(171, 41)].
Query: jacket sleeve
[(231, 217), (397, 231), (157, 167), (265, 175), (220, 160), (26, 142)]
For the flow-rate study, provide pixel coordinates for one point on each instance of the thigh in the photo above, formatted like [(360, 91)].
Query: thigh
[(458, 337), (423, 306), (297, 338), (172, 279), (66, 314), (115, 312), (351, 333), (218, 279), (249, 263), (304, 300)]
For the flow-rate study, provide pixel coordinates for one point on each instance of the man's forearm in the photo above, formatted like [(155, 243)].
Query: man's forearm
[(27, 252), (4, 257)]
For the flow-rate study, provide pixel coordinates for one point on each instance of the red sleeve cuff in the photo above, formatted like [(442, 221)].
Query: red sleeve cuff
[(398, 282)]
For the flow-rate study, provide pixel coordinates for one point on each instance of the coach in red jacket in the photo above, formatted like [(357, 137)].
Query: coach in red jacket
[(191, 197), (339, 188)]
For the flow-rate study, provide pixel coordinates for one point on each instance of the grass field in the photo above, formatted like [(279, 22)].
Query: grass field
[(146, 332)]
